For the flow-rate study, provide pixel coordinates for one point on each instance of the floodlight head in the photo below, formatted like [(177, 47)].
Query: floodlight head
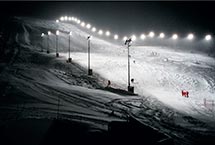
[(128, 41), (70, 33), (107, 33), (65, 18), (62, 18), (162, 35), (93, 29), (78, 21), (42, 35), (190, 36), (57, 32), (100, 32), (88, 26), (82, 24), (125, 38), (57, 21), (116, 36), (174, 36), (88, 37), (142, 36), (151, 34), (133, 38), (70, 18), (208, 37), (49, 33)]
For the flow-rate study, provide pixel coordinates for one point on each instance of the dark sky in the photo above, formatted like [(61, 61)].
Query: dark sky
[(125, 17)]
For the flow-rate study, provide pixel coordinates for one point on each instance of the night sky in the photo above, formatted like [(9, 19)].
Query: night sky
[(125, 18)]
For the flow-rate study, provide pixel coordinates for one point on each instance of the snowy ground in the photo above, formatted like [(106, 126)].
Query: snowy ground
[(35, 82)]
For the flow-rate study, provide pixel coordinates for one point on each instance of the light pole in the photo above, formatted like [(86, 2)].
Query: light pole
[(69, 59), (57, 33), (49, 33), (130, 88), (42, 35), (90, 71)]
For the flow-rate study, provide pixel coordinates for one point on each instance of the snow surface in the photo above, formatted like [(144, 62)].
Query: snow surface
[(160, 73)]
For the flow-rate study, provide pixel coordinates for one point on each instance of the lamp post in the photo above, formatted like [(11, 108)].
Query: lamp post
[(128, 43), (49, 33), (42, 35), (69, 59), (90, 71), (57, 33)]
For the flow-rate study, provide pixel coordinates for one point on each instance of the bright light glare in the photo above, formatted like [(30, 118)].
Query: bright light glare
[(174, 36), (57, 21), (208, 37), (49, 33), (116, 36), (151, 34), (62, 18), (57, 32), (133, 37), (142, 36), (78, 21), (100, 32), (82, 24), (190, 36), (94, 29), (65, 18), (88, 26), (125, 38), (107, 33), (162, 35), (42, 35), (70, 18), (70, 33)]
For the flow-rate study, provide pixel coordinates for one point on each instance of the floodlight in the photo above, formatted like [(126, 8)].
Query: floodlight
[(116, 36), (88, 26), (78, 21), (107, 33), (125, 38), (133, 37), (142, 36), (151, 34), (94, 29), (49, 33), (190, 36), (70, 18), (70, 33), (57, 32), (57, 21), (208, 37), (100, 32), (65, 18), (174, 36), (82, 24), (62, 18), (42, 35), (162, 35)]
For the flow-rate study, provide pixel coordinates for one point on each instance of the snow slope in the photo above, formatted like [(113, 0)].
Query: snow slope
[(159, 73)]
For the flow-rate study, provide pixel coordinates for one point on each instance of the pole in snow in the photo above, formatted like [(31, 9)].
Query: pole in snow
[(90, 71), (130, 88), (49, 33), (69, 59), (57, 33), (42, 36)]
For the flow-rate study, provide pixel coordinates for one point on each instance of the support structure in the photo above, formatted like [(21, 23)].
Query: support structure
[(69, 59), (90, 71), (130, 88)]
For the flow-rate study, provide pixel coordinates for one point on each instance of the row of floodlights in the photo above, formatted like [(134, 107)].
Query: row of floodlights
[(142, 36), (133, 37)]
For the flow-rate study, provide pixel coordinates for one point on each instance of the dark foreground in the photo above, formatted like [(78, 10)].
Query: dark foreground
[(64, 132)]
